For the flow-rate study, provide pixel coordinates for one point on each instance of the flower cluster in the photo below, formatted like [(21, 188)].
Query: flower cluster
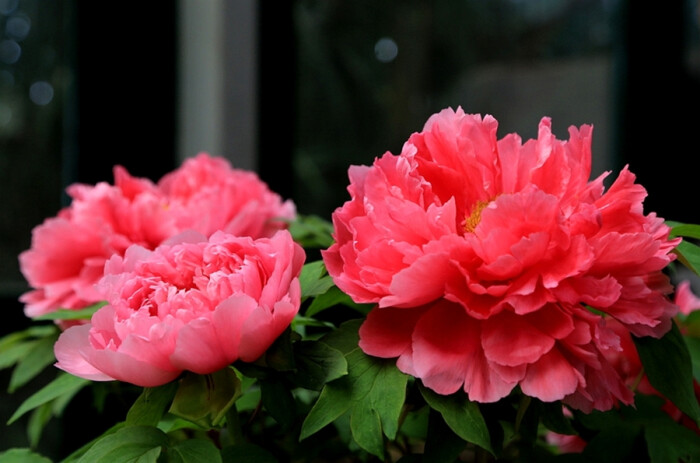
[(492, 285), (68, 252)]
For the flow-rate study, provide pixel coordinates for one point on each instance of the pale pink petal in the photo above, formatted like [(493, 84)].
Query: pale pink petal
[(263, 326), (197, 348), (124, 367), (69, 354)]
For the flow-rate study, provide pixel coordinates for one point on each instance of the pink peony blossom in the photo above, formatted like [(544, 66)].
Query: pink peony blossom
[(685, 299), (193, 304), (68, 252), (207, 195), (484, 256), (566, 443)]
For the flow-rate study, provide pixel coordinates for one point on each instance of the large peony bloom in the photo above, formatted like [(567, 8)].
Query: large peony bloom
[(193, 304), (206, 194), (484, 257)]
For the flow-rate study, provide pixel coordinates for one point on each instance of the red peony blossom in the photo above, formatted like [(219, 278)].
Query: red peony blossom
[(206, 194), (484, 257), (193, 304)]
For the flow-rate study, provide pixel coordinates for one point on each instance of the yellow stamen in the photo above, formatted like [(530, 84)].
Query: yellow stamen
[(471, 222)]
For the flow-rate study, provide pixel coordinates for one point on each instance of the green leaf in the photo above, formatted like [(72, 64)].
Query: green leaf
[(62, 385), (317, 363), (314, 279), (16, 346), (366, 427), (385, 388), (17, 455), (614, 444), (300, 323), (415, 423), (33, 332), (689, 255), (333, 402), (73, 314), (250, 394), (374, 392), (131, 444), (151, 405), (248, 453), (40, 357), (77, 454), (618, 434), (335, 397), (12, 353), (278, 401), (683, 229), (552, 416), (41, 415), (442, 445), (37, 421), (15, 353), (280, 355), (461, 415), (345, 337), (332, 297), (668, 366), (194, 451), (669, 442), (690, 324), (311, 231), (693, 345), (205, 399)]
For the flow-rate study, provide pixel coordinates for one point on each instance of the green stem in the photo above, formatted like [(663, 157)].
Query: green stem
[(522, 408), (232, 434)]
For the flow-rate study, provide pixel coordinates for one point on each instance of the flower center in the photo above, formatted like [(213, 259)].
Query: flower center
[(474, 217)]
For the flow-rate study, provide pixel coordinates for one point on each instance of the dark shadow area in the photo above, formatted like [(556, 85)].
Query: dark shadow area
[(657, 101)]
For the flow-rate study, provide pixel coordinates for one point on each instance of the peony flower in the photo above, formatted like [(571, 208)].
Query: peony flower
[(207, 195), (485, 256), (68, 252), (193, 304), (685, 299)]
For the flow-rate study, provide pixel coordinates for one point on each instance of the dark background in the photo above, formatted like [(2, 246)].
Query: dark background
[(325, 102)]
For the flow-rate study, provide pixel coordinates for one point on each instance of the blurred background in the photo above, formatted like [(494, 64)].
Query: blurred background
[(299, 90)]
